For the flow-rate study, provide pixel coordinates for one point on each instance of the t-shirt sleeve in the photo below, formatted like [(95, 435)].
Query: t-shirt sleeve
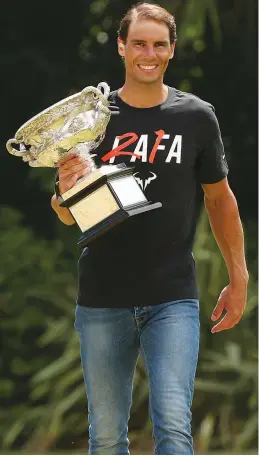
[(211, 164)]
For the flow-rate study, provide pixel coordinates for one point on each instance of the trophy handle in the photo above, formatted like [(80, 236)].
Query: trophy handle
[(106, 89), (103, 97), (23, 152), (13, 151)]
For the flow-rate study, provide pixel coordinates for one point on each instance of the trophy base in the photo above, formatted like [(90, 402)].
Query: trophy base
[(105, 225), (106, 197)]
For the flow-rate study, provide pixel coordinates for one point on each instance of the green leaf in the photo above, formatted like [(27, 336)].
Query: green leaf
[(13, 432), (54, 369), (248, 433), (212, 386)]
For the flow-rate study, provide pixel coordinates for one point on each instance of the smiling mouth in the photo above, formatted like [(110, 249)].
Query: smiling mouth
[(148, 67)]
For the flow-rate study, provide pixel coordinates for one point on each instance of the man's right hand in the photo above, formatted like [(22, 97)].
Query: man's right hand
[(71, 168)]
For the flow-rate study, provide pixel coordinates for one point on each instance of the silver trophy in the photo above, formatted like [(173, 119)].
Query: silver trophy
[(106, 195)]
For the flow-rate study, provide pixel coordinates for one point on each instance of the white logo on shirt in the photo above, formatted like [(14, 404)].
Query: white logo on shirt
[(143, 183)]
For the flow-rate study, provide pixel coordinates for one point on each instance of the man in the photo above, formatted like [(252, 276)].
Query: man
[(137, 286)]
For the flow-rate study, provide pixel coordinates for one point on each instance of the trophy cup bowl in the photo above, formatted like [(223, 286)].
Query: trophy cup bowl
[(105, 196), (48, 136)]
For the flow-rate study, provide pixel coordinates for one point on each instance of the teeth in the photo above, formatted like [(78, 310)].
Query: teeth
[(148, 67)]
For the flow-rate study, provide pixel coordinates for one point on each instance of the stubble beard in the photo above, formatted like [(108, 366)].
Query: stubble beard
[(148, 82)]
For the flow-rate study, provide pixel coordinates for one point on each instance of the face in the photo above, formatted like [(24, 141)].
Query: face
[(147, 51)]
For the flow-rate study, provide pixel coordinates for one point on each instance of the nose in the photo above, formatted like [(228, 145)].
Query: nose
[(150, 51)]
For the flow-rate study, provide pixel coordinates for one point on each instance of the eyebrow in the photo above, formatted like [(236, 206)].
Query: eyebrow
[(143, 41)]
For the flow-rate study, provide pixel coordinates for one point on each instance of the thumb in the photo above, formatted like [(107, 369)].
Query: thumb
[(218, 309)]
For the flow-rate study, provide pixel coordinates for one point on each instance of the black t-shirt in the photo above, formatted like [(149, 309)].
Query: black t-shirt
[(148, 259)]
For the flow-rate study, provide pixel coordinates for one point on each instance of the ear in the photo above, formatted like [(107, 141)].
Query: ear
[(121, 49), (172, 50)]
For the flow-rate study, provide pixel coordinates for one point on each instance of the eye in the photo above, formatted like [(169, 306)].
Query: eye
[(140, 45), (160, 45)]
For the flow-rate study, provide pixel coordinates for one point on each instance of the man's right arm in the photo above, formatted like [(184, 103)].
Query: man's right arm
[(62, 212), (71, 168)]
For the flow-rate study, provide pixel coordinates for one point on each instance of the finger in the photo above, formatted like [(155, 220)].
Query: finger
[(74, 165), (71, 154), (66, 172), (67, 184), (75, 161), (226, 322), (218, 309), (84, 172), (70, 180)]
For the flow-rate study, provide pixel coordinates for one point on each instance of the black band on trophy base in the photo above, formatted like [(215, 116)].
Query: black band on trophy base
[(105, 179), (121, 215), (84, 192)]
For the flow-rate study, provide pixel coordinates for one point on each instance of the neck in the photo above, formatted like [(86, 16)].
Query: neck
[(143, 95)]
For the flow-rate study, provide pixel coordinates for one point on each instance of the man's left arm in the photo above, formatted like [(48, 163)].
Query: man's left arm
[(226, 225)]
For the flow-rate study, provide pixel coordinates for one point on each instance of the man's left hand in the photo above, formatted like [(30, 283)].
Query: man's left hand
[(233, 300)]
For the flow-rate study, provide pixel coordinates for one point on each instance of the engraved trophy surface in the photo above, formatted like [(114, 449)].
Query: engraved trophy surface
[(80, 118), (105, 196)]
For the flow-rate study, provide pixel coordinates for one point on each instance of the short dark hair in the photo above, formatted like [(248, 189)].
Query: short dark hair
[(150, 11)]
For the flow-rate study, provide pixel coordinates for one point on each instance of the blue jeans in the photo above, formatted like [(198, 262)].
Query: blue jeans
[(167, 335)]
